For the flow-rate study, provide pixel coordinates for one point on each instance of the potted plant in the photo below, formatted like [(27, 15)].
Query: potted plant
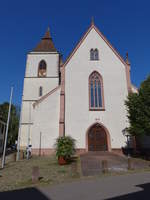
[(65, 148)]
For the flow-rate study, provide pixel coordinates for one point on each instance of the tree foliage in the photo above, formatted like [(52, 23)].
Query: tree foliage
[(13, 123), (138, 107)]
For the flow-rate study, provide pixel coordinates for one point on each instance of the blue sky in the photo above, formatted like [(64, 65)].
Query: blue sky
[(125, 23)]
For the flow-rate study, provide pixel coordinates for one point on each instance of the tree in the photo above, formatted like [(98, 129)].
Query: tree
[(138, 107), (13, 123)]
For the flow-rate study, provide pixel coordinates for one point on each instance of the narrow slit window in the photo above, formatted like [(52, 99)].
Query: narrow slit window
[(40, 91), (96, 56), (92, 54)]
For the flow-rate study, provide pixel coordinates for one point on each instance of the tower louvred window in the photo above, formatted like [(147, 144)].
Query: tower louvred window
[(42, 69)]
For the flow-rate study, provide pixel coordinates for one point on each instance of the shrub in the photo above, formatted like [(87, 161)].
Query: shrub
[(65, 147)]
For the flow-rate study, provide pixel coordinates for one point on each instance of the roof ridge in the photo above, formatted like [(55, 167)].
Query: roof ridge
[(47, 34), (45, 96), (110, 45)]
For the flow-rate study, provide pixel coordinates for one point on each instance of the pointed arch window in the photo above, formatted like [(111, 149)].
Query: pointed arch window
[(94, 54), (40, 91), (42, 69), (96, 95)]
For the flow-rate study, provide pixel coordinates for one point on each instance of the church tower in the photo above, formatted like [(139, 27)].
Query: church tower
[(41, 76)]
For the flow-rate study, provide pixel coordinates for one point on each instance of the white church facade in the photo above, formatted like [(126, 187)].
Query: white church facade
[(84, 97)]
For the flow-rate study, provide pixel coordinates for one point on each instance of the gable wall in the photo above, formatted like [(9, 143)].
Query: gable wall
[(77, 115)]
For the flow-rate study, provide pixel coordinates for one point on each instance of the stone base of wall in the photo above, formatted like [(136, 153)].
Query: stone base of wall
[(43, 152), (117, 151), (80, 151)]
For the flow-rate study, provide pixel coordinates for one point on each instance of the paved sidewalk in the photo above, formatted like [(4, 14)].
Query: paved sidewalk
[(133, 186), (125, 187)]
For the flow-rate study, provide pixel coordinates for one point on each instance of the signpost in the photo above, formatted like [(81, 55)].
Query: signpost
[(18, 142), (6, 134)]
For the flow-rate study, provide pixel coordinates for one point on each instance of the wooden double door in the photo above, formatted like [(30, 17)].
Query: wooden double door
[(97, 138)]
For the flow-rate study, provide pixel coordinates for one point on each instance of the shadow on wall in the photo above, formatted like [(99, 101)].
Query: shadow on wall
[(23, 194), (145, 194)]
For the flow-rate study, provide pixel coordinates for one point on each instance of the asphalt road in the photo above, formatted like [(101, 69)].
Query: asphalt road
[(133, 187)]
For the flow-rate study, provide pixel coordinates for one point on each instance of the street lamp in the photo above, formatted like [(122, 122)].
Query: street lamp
[(127, 135)]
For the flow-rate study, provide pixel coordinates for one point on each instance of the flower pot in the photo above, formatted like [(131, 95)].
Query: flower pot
[(61, 160)]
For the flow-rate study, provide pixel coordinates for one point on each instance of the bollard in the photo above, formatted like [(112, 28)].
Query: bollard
[(104, 166), (14, 157), (129, 164), (35, 174), (21, 155)]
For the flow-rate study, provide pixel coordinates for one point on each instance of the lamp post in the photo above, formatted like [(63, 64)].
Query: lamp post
[(127, 135)]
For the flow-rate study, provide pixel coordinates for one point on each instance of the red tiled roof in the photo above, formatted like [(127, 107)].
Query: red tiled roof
[(46, 44)]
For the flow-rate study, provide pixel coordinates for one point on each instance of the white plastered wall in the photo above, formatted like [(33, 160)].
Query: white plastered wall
[(78, 118), (31, 89), (46, 121), (33, 60)]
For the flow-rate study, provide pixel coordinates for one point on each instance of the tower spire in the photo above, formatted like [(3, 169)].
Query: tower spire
[(46, 44), (47, 34), (92, 20)]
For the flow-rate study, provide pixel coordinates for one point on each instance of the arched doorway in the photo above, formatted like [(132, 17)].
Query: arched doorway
[(97, 138)]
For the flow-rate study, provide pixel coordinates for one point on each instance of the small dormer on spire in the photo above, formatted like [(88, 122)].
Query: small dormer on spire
[(47, 34), (46, 44), (127, 59)]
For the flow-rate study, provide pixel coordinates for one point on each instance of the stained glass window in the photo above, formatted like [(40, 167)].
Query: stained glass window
[(95, 84)]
